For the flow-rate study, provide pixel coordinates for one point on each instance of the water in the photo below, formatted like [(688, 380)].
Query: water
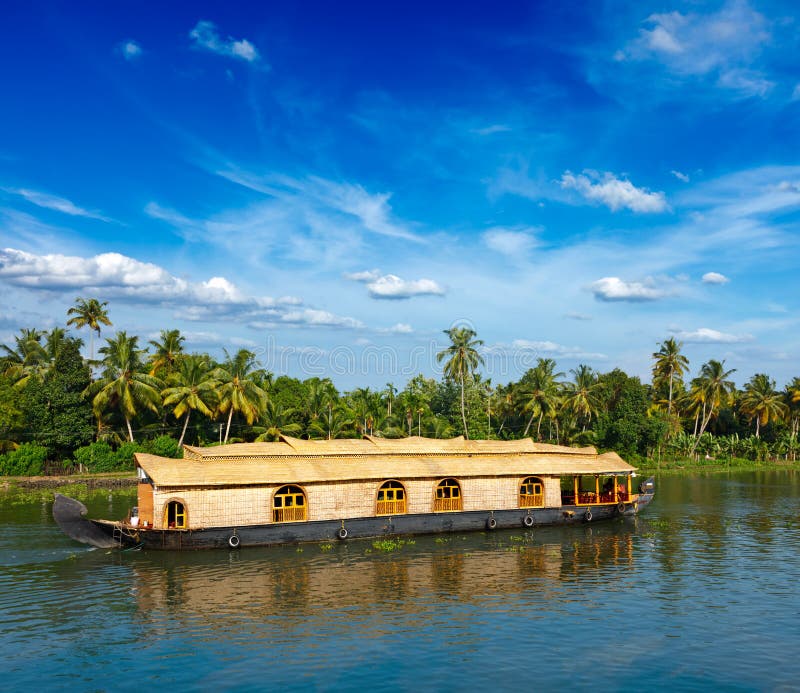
[(699, 593)]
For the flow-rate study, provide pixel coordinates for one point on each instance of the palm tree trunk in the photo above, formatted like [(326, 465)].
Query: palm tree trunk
[(185, 424), (539, 425), (528, 427), (130, 430), (463, 410), (669, 407), (228, 427), (702, 429)]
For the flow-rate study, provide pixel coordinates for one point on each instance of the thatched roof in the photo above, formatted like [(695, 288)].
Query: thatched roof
[(311, 461)]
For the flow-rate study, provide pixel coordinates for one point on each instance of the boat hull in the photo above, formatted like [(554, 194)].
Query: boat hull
[(358, 528)]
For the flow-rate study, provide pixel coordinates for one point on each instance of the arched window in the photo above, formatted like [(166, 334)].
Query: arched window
[(289, 505), (447, 497), (391, 499), (175, 515), (531, 493)]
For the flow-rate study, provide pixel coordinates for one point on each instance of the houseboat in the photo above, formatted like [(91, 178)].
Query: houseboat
[(259, 494)]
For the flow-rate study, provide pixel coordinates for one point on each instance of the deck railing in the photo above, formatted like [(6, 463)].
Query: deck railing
[(532, 501), (294, 514), (392, 507), (443, 505)]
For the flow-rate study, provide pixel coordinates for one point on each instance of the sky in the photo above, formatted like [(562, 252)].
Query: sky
[(333, 185)]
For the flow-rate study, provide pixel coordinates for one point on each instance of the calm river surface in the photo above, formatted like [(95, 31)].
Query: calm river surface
[(699, 593)]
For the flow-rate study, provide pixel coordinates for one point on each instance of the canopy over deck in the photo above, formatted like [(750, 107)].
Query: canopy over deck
[(310, 461)]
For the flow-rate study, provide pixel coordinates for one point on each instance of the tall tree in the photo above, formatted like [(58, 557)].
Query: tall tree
[(581, 394), (715, 388), (462, 361), (540, 393), (237, 390), (57, 415), (166, 352), (191, 388), (669, 365), (761, 402), (91, 313), (124, 386)]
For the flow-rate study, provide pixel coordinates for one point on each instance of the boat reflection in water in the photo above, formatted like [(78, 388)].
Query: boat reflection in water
[(290, 584)]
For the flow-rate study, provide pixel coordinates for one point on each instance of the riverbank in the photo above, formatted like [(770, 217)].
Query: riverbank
[(85, 481), (712, 466)]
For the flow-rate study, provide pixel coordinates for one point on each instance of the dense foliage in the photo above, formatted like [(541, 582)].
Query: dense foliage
[(60, 411)]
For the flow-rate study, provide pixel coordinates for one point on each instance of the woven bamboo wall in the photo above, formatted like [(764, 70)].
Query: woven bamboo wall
[(252, 505)]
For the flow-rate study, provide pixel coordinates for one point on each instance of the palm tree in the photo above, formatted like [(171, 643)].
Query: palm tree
[(762, 402), (167, 352), (670, 364), (581, 394), (191, 389), (715, 389), (391, 391), (792, 400), (463, 360), (277, 420), (26, 359), (237, 390), (54, 340), (124, 385), (89, 312), (542, 395)]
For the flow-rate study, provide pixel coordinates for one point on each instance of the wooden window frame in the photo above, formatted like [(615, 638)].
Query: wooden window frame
[(394, 505), (452, 503), (184, 514), (279, 514), (531, 500)]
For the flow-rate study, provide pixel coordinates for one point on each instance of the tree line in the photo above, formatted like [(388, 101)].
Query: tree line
[(59, 408)]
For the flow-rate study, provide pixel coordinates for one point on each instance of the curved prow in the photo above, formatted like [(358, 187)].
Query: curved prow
[(648, 490), (70, 516)]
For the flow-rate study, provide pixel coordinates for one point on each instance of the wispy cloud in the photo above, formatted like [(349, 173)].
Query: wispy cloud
[(513, 242), (705, 335), (715, 278), (680, 176), (615, 289), (555, 349), (723, 45), (206, 37), (614, 192), (390, 286), (130, 50), (491, 129), (59, 204)]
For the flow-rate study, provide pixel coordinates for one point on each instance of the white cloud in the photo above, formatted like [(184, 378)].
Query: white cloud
[(613, 192), (725, 43), (705, 335), (365, 276), (512, 242), (746, 83), (206, 36), (399, 328), (555, 349), (117, 276), (59, 204), (318, 318), (680, 176), (491, 130), (130, 50), (390, 286), (615, 289), (577, 316), (715, 278)]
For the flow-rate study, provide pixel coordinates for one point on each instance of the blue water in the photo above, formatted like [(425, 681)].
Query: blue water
[(699, 593)]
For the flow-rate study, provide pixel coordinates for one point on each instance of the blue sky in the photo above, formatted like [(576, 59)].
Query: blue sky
[(332, 185)]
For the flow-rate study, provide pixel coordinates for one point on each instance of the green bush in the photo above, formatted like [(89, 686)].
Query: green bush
[(164, 446), (27, 460), (96, 457), (124, 455)]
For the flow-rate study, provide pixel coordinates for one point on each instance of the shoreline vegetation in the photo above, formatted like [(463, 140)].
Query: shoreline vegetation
[(63, 414)]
